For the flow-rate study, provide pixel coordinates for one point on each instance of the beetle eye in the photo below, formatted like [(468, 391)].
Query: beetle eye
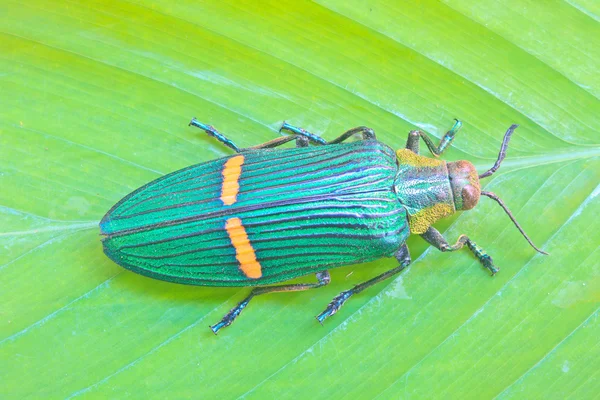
[(470, 197)]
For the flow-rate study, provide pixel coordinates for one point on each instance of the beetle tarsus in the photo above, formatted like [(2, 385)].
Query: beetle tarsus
[(212, 131), (333, 307), (302, 132), (231, 315), (482, 256)]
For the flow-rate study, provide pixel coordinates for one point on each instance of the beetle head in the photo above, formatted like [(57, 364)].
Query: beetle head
[(465, 184)]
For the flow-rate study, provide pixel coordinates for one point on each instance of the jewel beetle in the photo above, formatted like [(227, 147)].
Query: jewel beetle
[(265, 215)]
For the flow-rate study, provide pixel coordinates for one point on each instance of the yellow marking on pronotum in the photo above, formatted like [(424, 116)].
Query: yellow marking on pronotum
[(410, 158), (243, 249), (231, 176), (421, 221)]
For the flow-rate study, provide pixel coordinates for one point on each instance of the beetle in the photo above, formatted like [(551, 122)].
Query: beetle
[(266, 215)]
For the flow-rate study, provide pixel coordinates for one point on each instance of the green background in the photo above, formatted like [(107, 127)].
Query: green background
[(95, 97)]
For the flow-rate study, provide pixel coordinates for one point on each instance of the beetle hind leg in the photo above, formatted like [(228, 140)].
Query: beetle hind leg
[(403, 257), (323, 279), (302, 137), (301, 141), (214, 133)]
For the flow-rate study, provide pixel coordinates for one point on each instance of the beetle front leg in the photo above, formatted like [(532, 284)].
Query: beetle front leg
[(435, 238), (412, 143), (323, 279), (403, 257)]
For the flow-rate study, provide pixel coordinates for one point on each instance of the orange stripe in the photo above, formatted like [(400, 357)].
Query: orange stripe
[(231, 175), (243, 249)]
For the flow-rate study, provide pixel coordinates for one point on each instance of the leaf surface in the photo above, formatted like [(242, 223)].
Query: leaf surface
[(96, 97)]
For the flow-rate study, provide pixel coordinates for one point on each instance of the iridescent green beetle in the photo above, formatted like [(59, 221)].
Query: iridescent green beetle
[(267, 215)]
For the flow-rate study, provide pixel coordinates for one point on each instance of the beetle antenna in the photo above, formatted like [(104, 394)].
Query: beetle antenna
[(512, 218), (502, 153)]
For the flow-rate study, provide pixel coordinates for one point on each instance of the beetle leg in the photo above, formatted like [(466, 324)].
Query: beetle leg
[(435, 238), (413, 140), (323, 279), (403, 257), (301, 141), (367, 133), (214, 133)]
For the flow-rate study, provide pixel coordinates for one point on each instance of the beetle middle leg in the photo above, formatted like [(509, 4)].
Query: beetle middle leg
[(367, 133), (413, 140), (403, 257), (323, 279), (435, 238)]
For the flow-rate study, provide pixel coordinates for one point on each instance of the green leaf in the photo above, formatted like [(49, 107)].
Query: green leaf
[(95, 101)]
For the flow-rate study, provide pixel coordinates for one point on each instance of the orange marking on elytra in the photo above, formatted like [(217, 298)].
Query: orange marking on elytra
[(243, 249), (231, 176)]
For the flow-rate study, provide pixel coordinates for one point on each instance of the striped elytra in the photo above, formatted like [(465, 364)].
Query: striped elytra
[(261, 216)]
